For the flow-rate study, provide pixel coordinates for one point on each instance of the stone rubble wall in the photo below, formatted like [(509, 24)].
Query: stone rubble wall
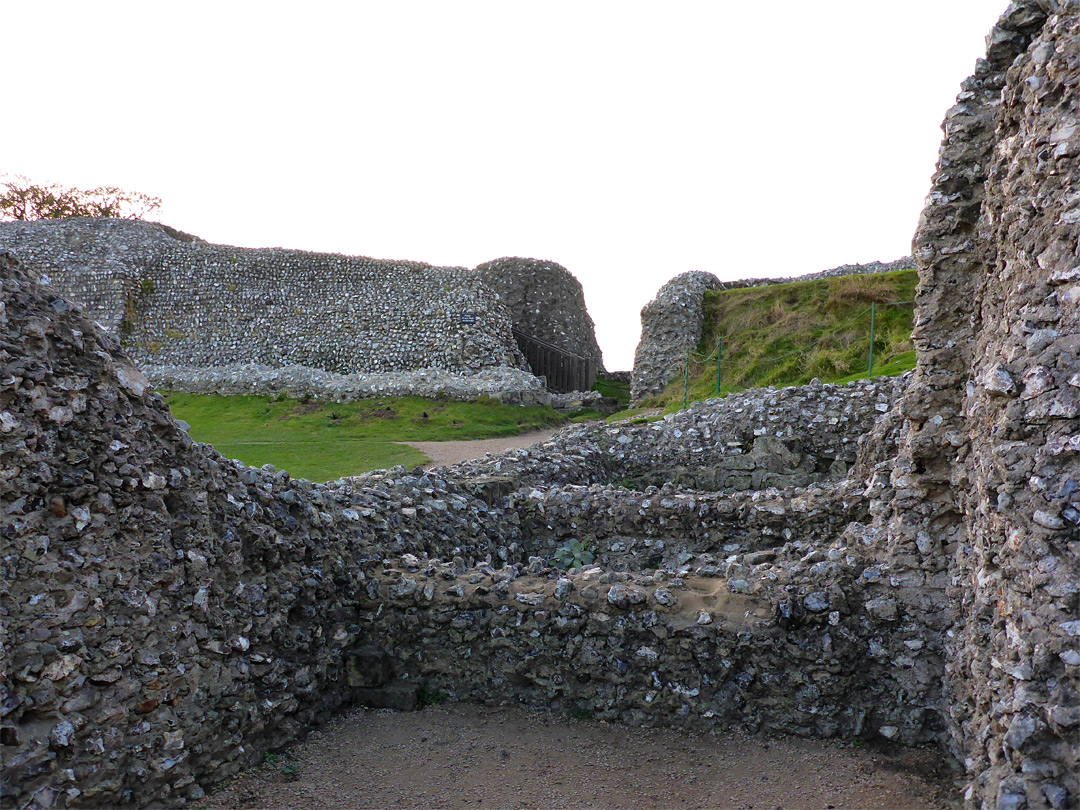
[(545, 301), (176, 300), (1014, 679), (167, 615), (806, 647), (673, 321), (669, 527), (905, 263), (770, 437)]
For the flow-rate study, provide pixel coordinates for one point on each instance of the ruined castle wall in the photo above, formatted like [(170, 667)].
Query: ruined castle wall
[(545, 301), (665, 527), (658, 648), (905, 263), (512, 386), (176, 300), (670, 324), (988, 445), (168, 615), (1014, 676)]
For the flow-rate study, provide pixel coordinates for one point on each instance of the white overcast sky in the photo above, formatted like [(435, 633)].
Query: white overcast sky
[(628, 141)]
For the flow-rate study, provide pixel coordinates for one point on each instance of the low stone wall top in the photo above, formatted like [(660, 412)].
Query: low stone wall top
[(509, 385), (815, 648), (764, 437), (905, 263)]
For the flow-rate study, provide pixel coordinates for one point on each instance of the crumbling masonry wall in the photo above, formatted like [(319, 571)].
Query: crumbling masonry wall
[(168, 614), (670, 324), (986, 477), (760, 438)]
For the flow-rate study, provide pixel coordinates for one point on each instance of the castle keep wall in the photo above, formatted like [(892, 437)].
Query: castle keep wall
[(176, 300), (545, 301)]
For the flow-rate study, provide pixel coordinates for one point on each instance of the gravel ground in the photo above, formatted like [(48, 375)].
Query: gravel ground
[(463, 756), (444, 453)]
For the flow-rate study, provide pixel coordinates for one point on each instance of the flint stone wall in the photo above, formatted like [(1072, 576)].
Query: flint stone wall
[(545, 301), (168, 616), (672, 322), (989, 453), (173, 299), (904, 263), (807, 647)]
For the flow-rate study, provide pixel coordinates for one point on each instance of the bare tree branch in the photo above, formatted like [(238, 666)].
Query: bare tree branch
[(21, 199)]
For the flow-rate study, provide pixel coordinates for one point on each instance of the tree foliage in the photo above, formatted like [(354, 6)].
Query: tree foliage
[(24, 200)]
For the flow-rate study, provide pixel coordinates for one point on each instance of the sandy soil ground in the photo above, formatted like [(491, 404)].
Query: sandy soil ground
[(444, 453), (460, 756)]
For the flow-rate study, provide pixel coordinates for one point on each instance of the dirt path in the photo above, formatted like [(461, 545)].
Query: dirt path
[(444, 453), (458, 756)]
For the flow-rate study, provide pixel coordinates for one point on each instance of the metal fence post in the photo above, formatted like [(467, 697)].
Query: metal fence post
[(870, 367), (719, 354), (686, 378)]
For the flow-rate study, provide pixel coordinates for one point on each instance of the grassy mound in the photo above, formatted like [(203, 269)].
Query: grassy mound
[(323, 441), (788, 334)]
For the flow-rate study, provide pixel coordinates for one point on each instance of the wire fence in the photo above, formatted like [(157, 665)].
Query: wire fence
[(718, 355)]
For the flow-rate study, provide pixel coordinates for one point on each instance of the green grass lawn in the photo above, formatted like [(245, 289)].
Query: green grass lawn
[(323, 441)]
